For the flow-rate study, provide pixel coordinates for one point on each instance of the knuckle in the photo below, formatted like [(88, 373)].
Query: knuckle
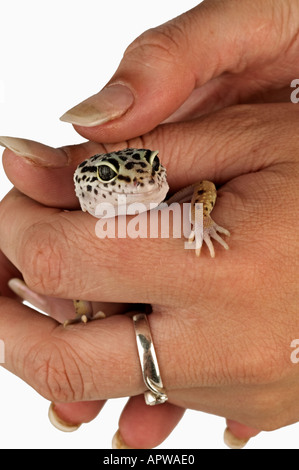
[(41, 260), (162, 43), (54, 371)]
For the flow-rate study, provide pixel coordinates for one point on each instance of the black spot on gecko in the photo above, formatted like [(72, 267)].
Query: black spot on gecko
[(124, 178), (92, 169), (129, 165), (88, 187), (136, 156), (148, 155), (95, 191), (95, 157), (200, 192), (82, 164), (151, 181)]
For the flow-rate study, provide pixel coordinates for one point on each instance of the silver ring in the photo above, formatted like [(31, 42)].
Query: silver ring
[(155, 395)]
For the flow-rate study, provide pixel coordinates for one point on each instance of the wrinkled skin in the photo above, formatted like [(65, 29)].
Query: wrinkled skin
[(227, 118)]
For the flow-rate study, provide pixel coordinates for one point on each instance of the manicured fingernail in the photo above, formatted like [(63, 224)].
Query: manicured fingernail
[(35, 152), (110, 103), (60, 423), (118, 442), (232, 441), (22, 290)]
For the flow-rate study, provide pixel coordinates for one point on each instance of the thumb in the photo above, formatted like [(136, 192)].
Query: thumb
[(161, 68)]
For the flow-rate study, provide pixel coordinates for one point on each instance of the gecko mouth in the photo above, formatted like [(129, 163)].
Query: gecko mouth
[(134, 193), (119, 202)]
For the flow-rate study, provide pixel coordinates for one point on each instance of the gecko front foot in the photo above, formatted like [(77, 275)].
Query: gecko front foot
[(203, 226), (210, 229), (84, 313)]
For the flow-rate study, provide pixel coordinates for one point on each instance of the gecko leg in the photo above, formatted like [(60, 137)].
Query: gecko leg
[(84, 313)]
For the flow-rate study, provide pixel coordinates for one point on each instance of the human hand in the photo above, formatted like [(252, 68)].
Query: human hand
[(108, 131), (218, 54), (237, 314), (221, 53)]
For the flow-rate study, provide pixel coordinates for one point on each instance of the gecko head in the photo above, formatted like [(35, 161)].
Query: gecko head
[(134, 173)]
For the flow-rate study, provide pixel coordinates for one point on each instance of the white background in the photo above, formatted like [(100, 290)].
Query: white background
[(53, 55)]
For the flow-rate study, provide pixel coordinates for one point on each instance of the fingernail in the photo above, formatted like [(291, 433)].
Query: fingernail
[(118, 442), (232, 441), (60, 423), (110, 103), (35, 152), (22, 290)]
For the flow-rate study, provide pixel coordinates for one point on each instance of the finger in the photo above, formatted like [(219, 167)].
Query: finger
[(144, 427), (209, 45), (206, 99), (68, 417), (49, 235), (55, 251), (237, 435), (61, 309), (7, 271), (99, 360), (62, 363), (241, 136), (45, 173)]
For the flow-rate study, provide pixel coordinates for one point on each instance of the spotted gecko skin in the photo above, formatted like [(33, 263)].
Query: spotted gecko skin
[(135, 173), (139, 175)]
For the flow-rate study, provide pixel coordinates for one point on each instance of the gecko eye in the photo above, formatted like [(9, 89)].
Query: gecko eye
[(106, 172)]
